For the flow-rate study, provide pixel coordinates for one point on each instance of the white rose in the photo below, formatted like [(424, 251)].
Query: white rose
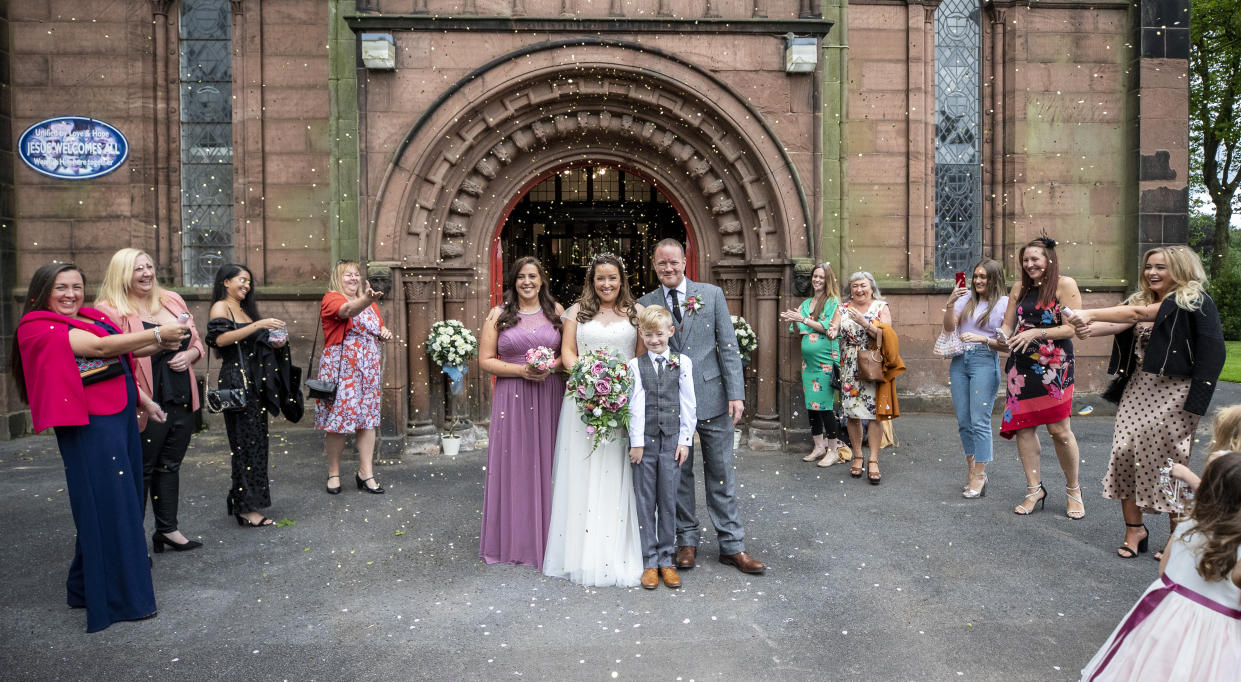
[(598, 412)]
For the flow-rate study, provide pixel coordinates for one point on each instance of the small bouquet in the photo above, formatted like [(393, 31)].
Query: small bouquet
[(600, 383), (692, 304), (747, 340), (450, 345), (1174, 490), (541, 358)]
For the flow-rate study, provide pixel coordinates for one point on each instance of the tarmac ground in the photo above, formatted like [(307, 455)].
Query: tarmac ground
[(902, 581)]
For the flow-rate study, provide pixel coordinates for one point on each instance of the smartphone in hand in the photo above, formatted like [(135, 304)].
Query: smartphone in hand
[(999, 334), (960, 280)]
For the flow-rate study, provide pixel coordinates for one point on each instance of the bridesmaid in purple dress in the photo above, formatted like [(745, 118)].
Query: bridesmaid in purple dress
[(525, 411)]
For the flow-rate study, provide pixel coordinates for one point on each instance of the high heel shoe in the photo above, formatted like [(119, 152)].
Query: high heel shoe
[(855, 467), (1041, 502), (815, 454), (1070, 512), (377, 490), (1127, 552), (873, 475), (159, 541), (971, 494), (330, 489), (244, 522)]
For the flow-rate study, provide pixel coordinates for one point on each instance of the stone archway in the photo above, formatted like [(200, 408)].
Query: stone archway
[(450, 185)]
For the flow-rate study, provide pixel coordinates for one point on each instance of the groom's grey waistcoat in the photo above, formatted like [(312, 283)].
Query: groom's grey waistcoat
[(708, 338), (663, 400)]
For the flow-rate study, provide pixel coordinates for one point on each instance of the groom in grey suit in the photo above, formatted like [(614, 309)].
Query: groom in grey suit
[(704, 333)]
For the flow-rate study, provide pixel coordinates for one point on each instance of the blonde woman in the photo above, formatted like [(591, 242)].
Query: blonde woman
[(1167, 355), (818, 322), (352, 330), (132, 297)]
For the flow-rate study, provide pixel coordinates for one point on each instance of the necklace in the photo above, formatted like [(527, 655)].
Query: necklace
[(529, 312)]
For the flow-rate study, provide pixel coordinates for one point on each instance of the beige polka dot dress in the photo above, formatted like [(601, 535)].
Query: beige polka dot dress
[(1151, 427)]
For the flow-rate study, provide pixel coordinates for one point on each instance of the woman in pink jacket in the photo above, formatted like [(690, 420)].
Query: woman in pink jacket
[(73, 368), (133, 298)]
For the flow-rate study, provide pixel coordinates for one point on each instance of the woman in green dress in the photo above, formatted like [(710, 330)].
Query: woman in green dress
[(818, 322)]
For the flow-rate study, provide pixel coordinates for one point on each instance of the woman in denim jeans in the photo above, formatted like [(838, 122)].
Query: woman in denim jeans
[(977, 312)]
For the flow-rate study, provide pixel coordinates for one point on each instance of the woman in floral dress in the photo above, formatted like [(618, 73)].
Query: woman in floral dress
[(857, 396), (352, 330), (1039, 372), (818, 322)]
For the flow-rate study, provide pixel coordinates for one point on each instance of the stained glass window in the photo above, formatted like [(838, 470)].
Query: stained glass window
[(958, 142), (206, 76)]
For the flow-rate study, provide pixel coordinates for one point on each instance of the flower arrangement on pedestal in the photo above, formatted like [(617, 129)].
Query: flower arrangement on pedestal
[(450, 345), (747, 340)]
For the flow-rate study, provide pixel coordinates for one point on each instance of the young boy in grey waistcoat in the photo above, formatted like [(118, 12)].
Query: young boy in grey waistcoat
[(662, 417)]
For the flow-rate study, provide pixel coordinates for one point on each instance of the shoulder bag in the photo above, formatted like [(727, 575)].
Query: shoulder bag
[(870, 359), (228, 399), (949, 344), (319, 389)]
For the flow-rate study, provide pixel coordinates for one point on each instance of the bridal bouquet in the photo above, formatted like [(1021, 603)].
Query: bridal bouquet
[(450, 345), (541, 358), (600, 384)]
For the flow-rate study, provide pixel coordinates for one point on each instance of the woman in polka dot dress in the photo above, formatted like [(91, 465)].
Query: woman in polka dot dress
[(1167, 356)]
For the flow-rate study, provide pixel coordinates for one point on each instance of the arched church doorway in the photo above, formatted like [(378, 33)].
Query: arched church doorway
[(584, 209)]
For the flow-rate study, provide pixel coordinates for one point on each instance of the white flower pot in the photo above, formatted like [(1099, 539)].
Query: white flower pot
[(736, 438), (451, 445)]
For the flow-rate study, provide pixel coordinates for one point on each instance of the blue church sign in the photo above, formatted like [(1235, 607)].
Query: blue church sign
[(73, 147)]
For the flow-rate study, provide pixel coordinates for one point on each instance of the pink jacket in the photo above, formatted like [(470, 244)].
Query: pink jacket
[(53, 385), (142, 366)]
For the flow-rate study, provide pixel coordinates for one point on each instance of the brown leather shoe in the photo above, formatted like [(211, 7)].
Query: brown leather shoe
[(650, 578), (686, 557), (669, 574), (744, 562)]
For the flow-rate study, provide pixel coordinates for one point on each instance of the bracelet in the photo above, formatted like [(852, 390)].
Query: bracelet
[(1044, 332), (806, 321), (157, 339)]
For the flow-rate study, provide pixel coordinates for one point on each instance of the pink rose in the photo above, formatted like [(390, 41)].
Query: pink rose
[(620, 402), (603, 387), (598, 369), (590, 430)]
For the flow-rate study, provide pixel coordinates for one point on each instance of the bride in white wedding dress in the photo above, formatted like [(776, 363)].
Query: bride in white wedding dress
[(593, 535)]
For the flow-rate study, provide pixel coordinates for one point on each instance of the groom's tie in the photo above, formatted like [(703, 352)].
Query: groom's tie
[(676, 307)]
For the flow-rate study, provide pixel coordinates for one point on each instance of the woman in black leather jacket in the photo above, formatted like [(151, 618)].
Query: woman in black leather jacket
[(1167, 355)]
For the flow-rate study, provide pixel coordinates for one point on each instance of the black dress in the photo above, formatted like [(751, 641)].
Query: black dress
[(247, 428)]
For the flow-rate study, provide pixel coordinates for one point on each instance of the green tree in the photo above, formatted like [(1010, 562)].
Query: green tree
[(1214, 126)]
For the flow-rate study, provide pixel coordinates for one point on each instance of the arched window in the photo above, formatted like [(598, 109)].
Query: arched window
[(206, 76), (958, 142)]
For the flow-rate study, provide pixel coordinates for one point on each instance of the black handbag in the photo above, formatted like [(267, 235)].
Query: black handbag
[(319, 389), (95, 370), (227, 399)]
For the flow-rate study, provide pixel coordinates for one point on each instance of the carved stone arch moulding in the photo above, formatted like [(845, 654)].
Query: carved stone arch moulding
[(465, 162)]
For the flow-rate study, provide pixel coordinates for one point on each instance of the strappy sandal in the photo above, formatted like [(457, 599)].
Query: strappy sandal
[(1069, 512), (855, 467), (246, 523), (873, 475), (1041, 502), (1127, 552)]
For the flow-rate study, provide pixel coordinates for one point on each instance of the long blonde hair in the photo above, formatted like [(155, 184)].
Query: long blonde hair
[(1188, 278), (1226, 431), (114, 290)]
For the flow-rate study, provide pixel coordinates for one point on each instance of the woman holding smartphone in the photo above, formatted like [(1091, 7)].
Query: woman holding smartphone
[(976, 313)]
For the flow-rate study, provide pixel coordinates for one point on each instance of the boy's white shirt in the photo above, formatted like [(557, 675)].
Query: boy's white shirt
[(637, 401)]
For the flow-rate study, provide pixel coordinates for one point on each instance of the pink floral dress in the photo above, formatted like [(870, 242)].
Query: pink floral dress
[(1040, 380), (356, 376)]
